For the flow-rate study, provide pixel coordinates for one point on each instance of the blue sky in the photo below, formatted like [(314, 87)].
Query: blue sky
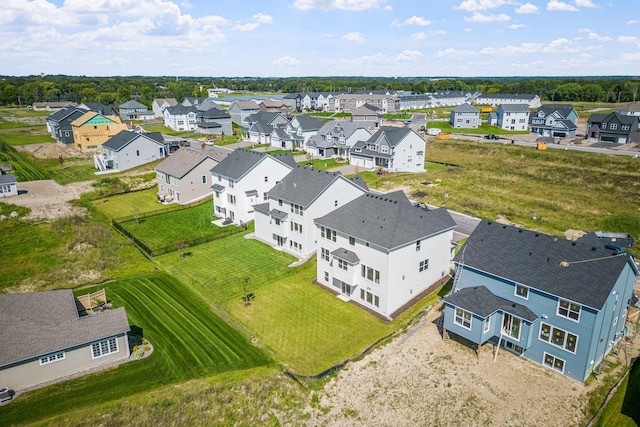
[(287, 38)]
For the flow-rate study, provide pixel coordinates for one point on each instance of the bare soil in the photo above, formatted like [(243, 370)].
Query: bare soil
[(50, 200), (425, 380), (52, 150)]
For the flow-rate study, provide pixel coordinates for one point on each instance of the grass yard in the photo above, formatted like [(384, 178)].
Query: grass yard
[(26, 135), (189, 342), (122, 205), (164, 230), (483, 129), (623, 409), (289, 314), (165, 130), (323, 164), (24, 168)]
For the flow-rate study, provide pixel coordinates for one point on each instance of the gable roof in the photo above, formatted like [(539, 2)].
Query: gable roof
[(99, 107), (63, 113), (182, 162), (534, 259), (465, 108), (38, 323), (515, 108), (241, 161), (213, 113), (124, 138), (483, 302), (247, 105), (179, 110), (387, 220), (563, 110), (304, 184), (307, 123), (91, 117), (392, 134), (632, 107), (133, 104), (336, 127), (7, 178), (366, 109), (170, 101)]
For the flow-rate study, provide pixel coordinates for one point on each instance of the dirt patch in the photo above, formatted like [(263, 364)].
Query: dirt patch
[(52, 150), (50, 200), (573, 234), (425, 380)]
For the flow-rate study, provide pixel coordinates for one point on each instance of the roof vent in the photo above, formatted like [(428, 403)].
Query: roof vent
[(593, 249)]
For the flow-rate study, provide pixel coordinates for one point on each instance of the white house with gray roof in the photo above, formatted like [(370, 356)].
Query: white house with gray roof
[(337, 137), (513, 116), (493, 99), (181, 117), (126, 150), (185, 176), (391, 148), (8, 185), (160, 104), (465, 116), (243, 179), (44, 338), (285, 220), (382, 252)]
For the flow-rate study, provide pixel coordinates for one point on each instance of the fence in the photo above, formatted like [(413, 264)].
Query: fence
[(169, 208), (88, 301)]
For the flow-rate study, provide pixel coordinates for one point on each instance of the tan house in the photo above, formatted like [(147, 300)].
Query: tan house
[(91, 130), (46, 336)]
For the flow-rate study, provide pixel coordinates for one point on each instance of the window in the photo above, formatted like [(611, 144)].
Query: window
[(522, 291), (103, 348), (462, 318), (370, 273), (352, 241), (418, 245), (613, 126), (487, 324), (558, 337), (384, 149), (625, 127), (326, 276), (55, 357), (279, 202), (324, 254), (138, 153), (604, 126), (265, 197), (296, 227), (370, 298), (277, 220), (297, 209), (328, 233), (342, 264), (511, 326), (204, 179), (553, 362), (231, 184), (335, 203), (266, 179), (231, 198), (569, 310), (424, 265)]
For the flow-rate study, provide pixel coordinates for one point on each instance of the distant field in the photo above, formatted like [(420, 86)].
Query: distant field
[(189, 342), (24, 135)]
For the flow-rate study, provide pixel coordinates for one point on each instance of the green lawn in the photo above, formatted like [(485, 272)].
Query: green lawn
[(623, 409), (483, 129), (323, 164), (24, 168), (189, 342), (26, 135), (165, 130), (304, 326), (130, 204)]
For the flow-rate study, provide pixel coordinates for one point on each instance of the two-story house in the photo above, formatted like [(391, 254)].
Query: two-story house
[(160, 104), (382, 252), (337, 137), (185, 176), (393, 149), (241, 110), (214, 121), (242, 180), (465, 116), (554, 120), (127, 150), (134, 110), (295, 133), (493, 99), (261, 125), (181, 117), (513, 116), (557, 302), (285, 220), (59, 123), (91, 130), (614, 127)]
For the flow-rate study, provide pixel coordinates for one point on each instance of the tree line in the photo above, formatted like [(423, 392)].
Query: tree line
[(22, 91)]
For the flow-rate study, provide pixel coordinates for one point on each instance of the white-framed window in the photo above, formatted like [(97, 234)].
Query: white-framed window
[(370, 273), (231, 183), (424, 265), (613, 126), (266, 179), (603, 126), (418, 245), (232, 199), (352, 241), (462, 318), (487, 324), (104, 347), (553, 362), (297, 209), (370, 298), (568, 309), (342, 264), (295, 227), (384, 149), (521, 291), (326, 276), (204, 179), (324, 254), (279, 202), (53, 357), (265, 197), (511, 326), (625, 127), (558, 337), (328, 233)]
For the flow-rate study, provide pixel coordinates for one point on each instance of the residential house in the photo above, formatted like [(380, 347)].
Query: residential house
[(630, 109), (215, 91), (296, 133), (347, 102), (382, 252), (557, 302), (493, 99), (91, 130), (181, 117), (45, 337), (285, 220), (209, 103), (99, 107), (337, 137), (193, 101), (368, 113), (465, 116), (316, 101), (276, 106), (241, 110), (243, 179), (8, 185), (554, 120), (59, 123), (614, 127), (160, 104), (392, 149), (214, 121), (51, 105), (294, 100), (261, 125), (127, 150), (184, 177), (513, 116), (492, 118), (133, 110)]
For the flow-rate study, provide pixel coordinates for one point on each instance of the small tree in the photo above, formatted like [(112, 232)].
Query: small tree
[(248, 296), (61, 160), (181, 244)]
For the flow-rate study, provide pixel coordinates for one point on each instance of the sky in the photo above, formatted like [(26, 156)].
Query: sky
[(289, 38)]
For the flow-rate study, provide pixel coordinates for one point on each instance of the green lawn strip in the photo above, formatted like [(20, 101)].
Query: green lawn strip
[(25, 169), (189, 342), (484, 128), (26, 136), (323, 164), (623, 409), (138, 202), (165, 130)]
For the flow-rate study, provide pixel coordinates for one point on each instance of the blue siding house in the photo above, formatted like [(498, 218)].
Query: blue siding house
[(557, 302)]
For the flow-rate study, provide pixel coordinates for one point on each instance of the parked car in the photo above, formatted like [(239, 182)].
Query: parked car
[(491, 136)]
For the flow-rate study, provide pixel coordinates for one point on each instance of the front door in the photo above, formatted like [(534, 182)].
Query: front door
[(346, 289)]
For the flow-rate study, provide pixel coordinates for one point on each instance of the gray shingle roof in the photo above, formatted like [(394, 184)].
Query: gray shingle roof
[(483, 302), (124, 137), (133, 104), (392, 134), (387, 220), (338, 127), (183, 161), (39, 323), (308, 123), (347, 255), (534, 259), (304, 184), (240, 161), (214, 113), (515, 108), (465, 108), (181, 110), (7, 178), (563, 109)]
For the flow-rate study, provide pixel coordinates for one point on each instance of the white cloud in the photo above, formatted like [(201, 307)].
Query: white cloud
[(286, 61), (585, 3), (475, 5), (516, 26), (388, 8), (419, 36), (629, 39), (631, 56), (354, 36), (352, 5), (439, 32), (596, 36), (633, 22), (527, 8), (454, 53), (414, 20), (555, 5), (561, 45), (479, 17), (255, 21), (409, 55), (511, 50)]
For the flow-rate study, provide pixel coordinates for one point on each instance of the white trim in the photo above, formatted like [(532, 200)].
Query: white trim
[(566, 337), (515, 291), (569, 310), (462, 318), (544, 356), (101, 347), (52, 358)]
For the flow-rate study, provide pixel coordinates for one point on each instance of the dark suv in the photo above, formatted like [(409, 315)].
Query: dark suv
[(491, 136)]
